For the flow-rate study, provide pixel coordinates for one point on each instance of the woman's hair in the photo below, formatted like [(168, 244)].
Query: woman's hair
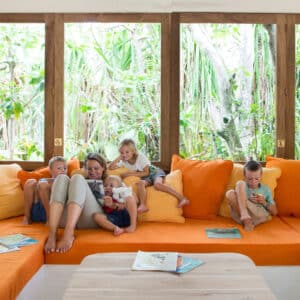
[(100, 159), (252, 165), (131, 144)]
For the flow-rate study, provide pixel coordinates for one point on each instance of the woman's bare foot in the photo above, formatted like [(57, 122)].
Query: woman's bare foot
[(142, 208), (50, 244), (130, 228), (118, 230), (183, 202), (248, 224), (65, 244)]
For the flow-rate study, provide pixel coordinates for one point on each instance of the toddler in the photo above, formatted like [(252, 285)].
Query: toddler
[(119, 216)]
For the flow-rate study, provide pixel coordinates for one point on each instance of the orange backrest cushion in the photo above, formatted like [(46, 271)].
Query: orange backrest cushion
[(204, 184), (11, 194), (287, 191), (72, 165), (269, 178)]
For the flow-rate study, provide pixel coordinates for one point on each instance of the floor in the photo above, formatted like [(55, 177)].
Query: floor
[(50, 281)]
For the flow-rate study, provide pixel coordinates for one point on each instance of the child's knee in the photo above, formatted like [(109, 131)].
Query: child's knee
[(158, 185), (30, 183), (141, 184)]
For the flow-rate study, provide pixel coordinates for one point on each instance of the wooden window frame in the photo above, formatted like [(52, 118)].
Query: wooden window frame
[(170, 71)]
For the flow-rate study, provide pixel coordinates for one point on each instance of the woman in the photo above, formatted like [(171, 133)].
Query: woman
[(73, 203)]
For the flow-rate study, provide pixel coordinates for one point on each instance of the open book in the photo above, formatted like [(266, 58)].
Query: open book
[(164, 261), (4, 248)]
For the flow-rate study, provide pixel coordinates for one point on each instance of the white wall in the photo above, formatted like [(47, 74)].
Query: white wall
[(292, 6)]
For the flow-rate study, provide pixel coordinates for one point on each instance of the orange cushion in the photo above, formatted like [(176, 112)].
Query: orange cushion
[(204, 184), (269, 178), (288, 188), (11, 194), (72, 165)]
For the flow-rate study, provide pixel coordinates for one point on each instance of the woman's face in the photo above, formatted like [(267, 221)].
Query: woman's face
[(94, 169)]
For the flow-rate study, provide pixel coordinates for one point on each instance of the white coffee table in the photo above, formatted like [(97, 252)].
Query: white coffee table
[(222, 276)]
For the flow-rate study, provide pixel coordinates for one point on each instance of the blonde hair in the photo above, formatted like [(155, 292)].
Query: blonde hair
[(115, 178), (55, 159), (131, 145)]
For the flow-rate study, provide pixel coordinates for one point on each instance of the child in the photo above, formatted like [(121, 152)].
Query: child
[(37, 194), (118, 217), (251, 202), (140, 166)]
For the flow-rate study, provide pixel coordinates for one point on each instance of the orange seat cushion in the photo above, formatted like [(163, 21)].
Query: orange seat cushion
[(288, 188), (204, 184), (44, 172), (269, 178), (271, 243)]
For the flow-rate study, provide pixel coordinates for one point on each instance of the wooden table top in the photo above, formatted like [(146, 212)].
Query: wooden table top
[(222, 276)]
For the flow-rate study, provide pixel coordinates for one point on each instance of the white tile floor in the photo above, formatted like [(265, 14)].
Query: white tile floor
[(50, 281)]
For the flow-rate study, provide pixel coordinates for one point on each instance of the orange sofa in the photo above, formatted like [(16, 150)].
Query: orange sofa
[(168, 228)]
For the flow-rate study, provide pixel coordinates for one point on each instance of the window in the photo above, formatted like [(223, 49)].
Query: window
[(22, 56), (227, 90), (112, 87)]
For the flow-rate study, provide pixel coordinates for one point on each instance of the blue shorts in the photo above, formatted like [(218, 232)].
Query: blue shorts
[(38, 212), (153, 174), (119, 218)]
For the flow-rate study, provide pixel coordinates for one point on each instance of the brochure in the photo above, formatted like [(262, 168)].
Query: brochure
[(16, 240), (5, 249), (155, 261), (223, 233), (185, 264), (165, 261)]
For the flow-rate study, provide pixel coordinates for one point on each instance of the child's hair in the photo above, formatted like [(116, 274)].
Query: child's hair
[(100, 159), (252, 165), (55, 159), (131, 144), (115, 178)]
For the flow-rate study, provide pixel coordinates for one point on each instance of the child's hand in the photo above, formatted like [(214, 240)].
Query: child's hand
[(120, 206), (261, 199), (108, 201)]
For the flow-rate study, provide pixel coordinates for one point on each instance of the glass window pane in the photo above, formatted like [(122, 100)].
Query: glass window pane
[(227, 104), (22, 68), (297, 94), (112, 87)]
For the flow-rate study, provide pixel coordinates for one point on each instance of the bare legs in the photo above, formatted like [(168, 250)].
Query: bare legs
[(44, 192), (103, 222), (160, 186), (237, 200), (66, 242), (30, 195)]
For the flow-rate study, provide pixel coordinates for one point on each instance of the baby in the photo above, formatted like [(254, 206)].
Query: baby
[(119, 206)]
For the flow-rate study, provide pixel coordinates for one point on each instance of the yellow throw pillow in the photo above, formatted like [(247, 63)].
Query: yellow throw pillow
[(163, 206), (269, 178), (11, 194)]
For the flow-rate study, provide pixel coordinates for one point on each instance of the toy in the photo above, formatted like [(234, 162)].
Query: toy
[(120, 193)]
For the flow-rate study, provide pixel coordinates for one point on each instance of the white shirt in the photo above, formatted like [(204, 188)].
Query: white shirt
[(141, 162)]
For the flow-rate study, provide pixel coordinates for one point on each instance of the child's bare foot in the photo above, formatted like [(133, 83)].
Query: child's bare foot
[(142, 208), (50, 244), (130, 228), (183, 202), (118, 230), (26, 221), (248, 224), (65, 244)]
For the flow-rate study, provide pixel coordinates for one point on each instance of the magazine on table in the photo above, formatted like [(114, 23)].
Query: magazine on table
[(17, 240), (164, 261), (222, 233)]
